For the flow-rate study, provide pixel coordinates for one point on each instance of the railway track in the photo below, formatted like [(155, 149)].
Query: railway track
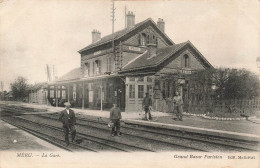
[(183, 138), (54, 135), (165, 139), (49, 138)]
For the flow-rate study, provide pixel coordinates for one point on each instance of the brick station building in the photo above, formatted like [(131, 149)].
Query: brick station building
[(123, 66)]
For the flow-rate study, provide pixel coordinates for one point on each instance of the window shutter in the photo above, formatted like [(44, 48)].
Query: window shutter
[(139, 39)]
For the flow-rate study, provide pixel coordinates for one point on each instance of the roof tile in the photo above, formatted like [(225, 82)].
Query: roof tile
[(73, 74)]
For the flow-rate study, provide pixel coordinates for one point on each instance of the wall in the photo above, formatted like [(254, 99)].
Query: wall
[(135, 104), (177, 63), (38, 96), (103, 59)]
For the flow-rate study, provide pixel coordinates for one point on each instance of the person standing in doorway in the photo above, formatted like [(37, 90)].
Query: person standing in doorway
[(178, 103), (68, 119), (147, 105), (115, 117)]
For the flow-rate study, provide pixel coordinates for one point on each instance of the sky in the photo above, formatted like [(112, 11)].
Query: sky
[(34, 33)]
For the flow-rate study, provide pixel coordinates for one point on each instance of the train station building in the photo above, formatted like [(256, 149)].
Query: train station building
[(123, 66)]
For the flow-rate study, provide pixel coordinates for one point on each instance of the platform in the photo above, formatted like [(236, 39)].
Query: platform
[(15, 139)]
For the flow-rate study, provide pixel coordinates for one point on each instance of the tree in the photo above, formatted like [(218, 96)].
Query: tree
[(241, 84), (20, 88), (230, 83)]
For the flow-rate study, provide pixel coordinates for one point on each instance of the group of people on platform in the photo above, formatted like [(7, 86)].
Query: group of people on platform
[(68, 119), (177, 106)]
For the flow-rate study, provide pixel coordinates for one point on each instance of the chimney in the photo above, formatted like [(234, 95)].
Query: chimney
[(161, 24), (96, 35), (151, 48), (130, 20)]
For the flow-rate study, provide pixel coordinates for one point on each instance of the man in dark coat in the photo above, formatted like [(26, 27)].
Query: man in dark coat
[(115, 116), (68, 119), (147, 105)]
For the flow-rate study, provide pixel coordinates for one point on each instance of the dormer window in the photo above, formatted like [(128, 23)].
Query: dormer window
[(147, 38)]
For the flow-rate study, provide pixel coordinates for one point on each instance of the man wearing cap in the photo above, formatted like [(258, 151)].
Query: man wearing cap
[(147, 105), (68, 119), (115, 116)]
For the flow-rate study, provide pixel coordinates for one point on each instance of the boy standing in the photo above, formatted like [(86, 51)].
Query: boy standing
[(147, 105), (178, 105), (115, 116)]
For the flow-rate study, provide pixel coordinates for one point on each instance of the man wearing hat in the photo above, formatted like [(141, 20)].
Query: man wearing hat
[(147, 105), (178, 103), (68, 119)]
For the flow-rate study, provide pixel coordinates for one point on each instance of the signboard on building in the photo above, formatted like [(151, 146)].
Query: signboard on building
[(134, 48), (185, 71)]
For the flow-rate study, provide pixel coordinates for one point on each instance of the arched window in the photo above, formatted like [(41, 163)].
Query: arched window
[(148, 39), (153, 40), (186, 61), (143, 39)]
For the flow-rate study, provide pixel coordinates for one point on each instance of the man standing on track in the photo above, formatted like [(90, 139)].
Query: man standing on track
[(115, 116), (68, 119), (147, 105)]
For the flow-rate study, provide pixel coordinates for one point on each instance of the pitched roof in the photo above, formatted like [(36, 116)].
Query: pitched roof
[(39, 85), (121, 33), (71, 75), (145, 61)]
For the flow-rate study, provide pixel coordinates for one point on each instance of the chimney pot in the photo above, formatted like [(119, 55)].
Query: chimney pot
[(161, 24), (96, 35), (130, 20)]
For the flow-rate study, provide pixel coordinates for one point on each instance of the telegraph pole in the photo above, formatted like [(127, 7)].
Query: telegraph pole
[(125, 16), (113, 15)]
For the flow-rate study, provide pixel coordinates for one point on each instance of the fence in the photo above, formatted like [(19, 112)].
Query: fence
[(243, 106)]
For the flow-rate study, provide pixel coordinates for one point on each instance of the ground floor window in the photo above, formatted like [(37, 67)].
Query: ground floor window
[(131, 91), (140, 91), (58, 92), (51, 93), (74, 92), (63, 94)]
